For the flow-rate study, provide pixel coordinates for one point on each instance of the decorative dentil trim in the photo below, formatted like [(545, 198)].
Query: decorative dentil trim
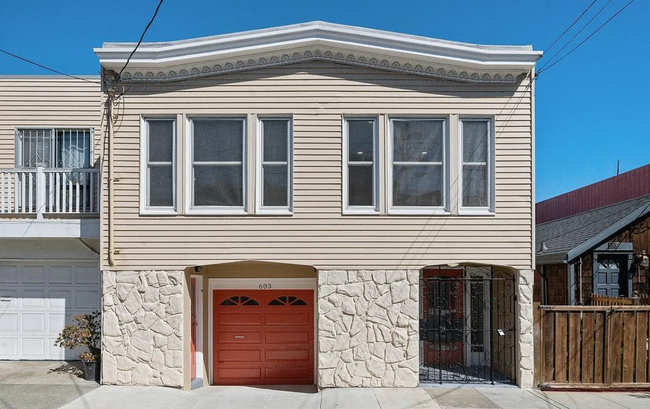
[(232, 66)]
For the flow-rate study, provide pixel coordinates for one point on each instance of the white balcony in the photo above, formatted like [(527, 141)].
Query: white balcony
[(49, 192)]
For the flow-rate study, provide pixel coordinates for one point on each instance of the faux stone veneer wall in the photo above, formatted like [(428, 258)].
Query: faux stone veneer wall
[(525, 356), (143, 326), (368, 328)]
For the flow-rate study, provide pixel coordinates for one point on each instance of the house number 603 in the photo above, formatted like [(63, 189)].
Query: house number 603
[(265, 286)]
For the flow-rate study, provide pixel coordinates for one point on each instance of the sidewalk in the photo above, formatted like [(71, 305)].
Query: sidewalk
[(224, 397)]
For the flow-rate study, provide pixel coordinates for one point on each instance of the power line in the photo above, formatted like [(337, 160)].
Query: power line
[(141, 38), (571, 26), (46, 67), (575, 35), (585, 40)]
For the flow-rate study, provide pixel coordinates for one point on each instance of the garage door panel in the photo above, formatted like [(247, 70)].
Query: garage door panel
[(34, 298), (87, 275), (240, 374), (288, 373), (9, 275), (8, 347), (33, 322), (8, 299), (284, 337), (239, 337), (287, 355), (224, 318), (60, 298), (33, 347), (87, 299), (285, 318), (8, 323), (61, 275), (55, 321), (33, 275), (239, 355)]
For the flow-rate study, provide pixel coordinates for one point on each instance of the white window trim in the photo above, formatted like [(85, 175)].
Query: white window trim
[(361, 210), (190, 209), (144, 168), (476, 210), (420, 210), (259, 189)]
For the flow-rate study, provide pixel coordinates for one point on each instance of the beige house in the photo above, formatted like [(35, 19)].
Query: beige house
[(311, 204)]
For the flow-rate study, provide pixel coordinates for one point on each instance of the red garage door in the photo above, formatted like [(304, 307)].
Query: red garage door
[(263, 337)]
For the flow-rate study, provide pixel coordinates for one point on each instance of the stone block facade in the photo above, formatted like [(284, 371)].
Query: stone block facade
[(368, 328), (525, 350), (142, 340)]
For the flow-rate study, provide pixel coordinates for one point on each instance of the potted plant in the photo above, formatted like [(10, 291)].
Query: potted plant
[(84, 332)]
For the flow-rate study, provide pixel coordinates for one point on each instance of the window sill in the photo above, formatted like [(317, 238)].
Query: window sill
[(475, 212), (360, 211), (273, 212), (162, 211), (418, 211), (216, 211)]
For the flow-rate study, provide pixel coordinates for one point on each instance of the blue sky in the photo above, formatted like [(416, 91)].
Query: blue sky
[(592, 107)]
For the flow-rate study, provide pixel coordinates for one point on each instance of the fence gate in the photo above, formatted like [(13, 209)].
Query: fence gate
[(467, 326), (592, 346)]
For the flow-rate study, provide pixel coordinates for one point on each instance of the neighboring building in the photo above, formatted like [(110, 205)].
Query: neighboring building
[(315, 203), (592, 241), (49, 210)]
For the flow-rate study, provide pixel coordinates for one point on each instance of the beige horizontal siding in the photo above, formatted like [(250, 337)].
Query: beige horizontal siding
[(317, 95), (49, 103)]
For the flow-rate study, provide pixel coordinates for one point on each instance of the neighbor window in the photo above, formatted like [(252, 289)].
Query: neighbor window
[(275, 168), (360, 187), (475, 163), (159, 150), (218, 164), (53, 148), (418, 168)]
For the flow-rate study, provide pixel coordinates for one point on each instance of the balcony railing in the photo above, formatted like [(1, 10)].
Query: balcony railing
[(49, 191)]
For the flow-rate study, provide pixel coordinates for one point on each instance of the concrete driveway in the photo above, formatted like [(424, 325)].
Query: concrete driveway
[(41, 384), (301, 397)]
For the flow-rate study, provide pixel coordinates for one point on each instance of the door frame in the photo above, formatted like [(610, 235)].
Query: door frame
[(308, 283), (485, 276)]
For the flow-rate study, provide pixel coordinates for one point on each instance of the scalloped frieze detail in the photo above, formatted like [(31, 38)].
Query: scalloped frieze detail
[(318, 54)]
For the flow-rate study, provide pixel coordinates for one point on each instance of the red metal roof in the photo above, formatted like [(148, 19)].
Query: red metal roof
[(626, 186)]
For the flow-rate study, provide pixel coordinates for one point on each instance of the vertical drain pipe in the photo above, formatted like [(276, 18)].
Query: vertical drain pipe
[(109, 113)]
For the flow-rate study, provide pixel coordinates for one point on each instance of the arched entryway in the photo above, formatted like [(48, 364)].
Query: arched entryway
[(467, 324), (257, 323)]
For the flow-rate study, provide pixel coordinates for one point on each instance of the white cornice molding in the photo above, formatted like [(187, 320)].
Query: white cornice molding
[(176, 60)]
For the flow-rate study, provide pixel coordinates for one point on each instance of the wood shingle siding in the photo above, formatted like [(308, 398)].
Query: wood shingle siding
[(317, 95)]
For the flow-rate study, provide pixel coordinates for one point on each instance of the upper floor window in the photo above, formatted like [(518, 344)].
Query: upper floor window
[(159, 150), (418, 166), (476, 164), (275, 170), (218, 166), (360, 170), (53, 148)]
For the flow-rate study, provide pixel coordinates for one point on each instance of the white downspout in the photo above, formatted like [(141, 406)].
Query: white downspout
[(109, 123)]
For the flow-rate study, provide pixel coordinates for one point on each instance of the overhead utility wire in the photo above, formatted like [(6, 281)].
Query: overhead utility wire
[(571, 26), (141, 38), (46, 67), (585, 40), (575, 35)]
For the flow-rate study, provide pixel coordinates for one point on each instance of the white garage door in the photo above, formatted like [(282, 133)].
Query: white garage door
[(37, 300)]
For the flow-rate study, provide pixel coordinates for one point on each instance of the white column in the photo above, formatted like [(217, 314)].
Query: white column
[(525, 352)]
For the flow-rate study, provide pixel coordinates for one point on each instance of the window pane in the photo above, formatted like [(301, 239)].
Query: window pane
[(475, 186), (161, 186), (275, 185), (218, 140), (417, 141), (73, 149), (275, 140), (417, 185), (360, 139), (360, 185), (475, 137), (218, 186), (36, 148), (161, 141)]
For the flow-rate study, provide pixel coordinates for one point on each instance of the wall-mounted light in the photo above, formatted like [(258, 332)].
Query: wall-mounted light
[(642, 259), (198, 269)]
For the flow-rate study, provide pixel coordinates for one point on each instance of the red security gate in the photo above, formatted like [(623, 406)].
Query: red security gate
[(263, 337)]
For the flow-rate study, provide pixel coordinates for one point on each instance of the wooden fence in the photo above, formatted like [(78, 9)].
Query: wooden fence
[(641, 299), (592, 346)]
